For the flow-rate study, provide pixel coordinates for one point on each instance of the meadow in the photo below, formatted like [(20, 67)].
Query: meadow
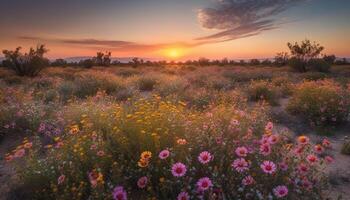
[(175, 132)]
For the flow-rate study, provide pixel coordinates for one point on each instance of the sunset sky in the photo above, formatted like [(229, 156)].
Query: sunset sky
[(174, 29)]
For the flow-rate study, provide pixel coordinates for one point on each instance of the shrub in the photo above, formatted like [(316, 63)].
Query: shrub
[(87, 63), (321, 102), (155, 149), (171, 85), (29, 64), (314, 76), (297, 64), (319, 65), (146, 83), (345, 149), (263, 90), (284, 85)]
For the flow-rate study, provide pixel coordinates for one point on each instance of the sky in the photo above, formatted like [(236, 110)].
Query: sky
[(174, 29)]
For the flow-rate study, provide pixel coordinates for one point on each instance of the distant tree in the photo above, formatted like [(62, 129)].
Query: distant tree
[(116, 62), (87, 63), (242, 62), (254, 62), (330, 59), (203, 61), (302, 53), (266, 62), (103, 59), (28, 64), (59, 63), (135, 62), (281, 59)]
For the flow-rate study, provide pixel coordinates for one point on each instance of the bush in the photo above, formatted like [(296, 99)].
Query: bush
[(155, 149), (146, 83), (323, 103), (284, 85), (346, 147), (29, 64), (263, 90), (297, 64), (314, 76), (319, 65)]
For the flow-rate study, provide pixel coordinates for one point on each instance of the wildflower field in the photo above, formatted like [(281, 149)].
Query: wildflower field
[(175, 132)]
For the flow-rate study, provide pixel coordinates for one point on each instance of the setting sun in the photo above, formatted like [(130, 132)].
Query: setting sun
[(174, 52)]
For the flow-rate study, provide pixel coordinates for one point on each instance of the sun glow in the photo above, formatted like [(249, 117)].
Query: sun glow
[(174, 53)]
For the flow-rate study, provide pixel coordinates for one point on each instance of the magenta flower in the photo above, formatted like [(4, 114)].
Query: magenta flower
[(268, 167), (183, 196), (248, 180), (119, 193), (204, 183), (265, 149), (178, 169), (205, 157), (20, 153), (142, 182), (273, 139), (240, 165), (280, 191), (303, 169), (61, 179), (164, 154), (312, 159), (241, 151)]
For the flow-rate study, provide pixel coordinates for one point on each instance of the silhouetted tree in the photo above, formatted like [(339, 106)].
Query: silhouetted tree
[(203, 61), (329, 59), (28, 64), (59, 63), (281, 59), (302, 53), (103, 59), (254, 62)]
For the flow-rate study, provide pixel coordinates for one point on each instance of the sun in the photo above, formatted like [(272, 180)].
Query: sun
[(174, 53)]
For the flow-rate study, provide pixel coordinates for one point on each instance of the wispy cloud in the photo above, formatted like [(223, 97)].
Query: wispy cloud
[(242, 18), (231, 19)]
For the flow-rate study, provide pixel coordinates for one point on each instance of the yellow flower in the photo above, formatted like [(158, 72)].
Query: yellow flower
[(142, 163), (146, 155)]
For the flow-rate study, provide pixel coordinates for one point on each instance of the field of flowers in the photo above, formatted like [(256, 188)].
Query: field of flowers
[(175, 132)]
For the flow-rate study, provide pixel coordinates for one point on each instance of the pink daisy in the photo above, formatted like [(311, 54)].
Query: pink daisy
[(318, 149), (178, 169), (329, 159), (302, 168), (283, 166), (269, 127), (273, 139), (164, 154), (280, 191), (61, 179), (312, 159), (268, 167), (183, 196), (248, 180), (204, 184), (241, 151), (265, 149), (142, 182), (204, 157), (119, 193), (240, 164)]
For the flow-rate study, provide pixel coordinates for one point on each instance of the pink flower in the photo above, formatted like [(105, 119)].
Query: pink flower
[(204, 157), (28, 145), (241, 151), (142, 182), (273, 139), (303, 140), (19, 153), (265, 149), (61, 179), (302, 168), (234, 122), (306, 184), (280, 191), (312, 159), (248, 180), (269, 127), (326, 143), (101, 153), (178, 169), (268, 167), (204, 184), (164, 154), (183, 196), (119, 193), (283, 166), (329, 159), (318, 149), (240, 164)]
